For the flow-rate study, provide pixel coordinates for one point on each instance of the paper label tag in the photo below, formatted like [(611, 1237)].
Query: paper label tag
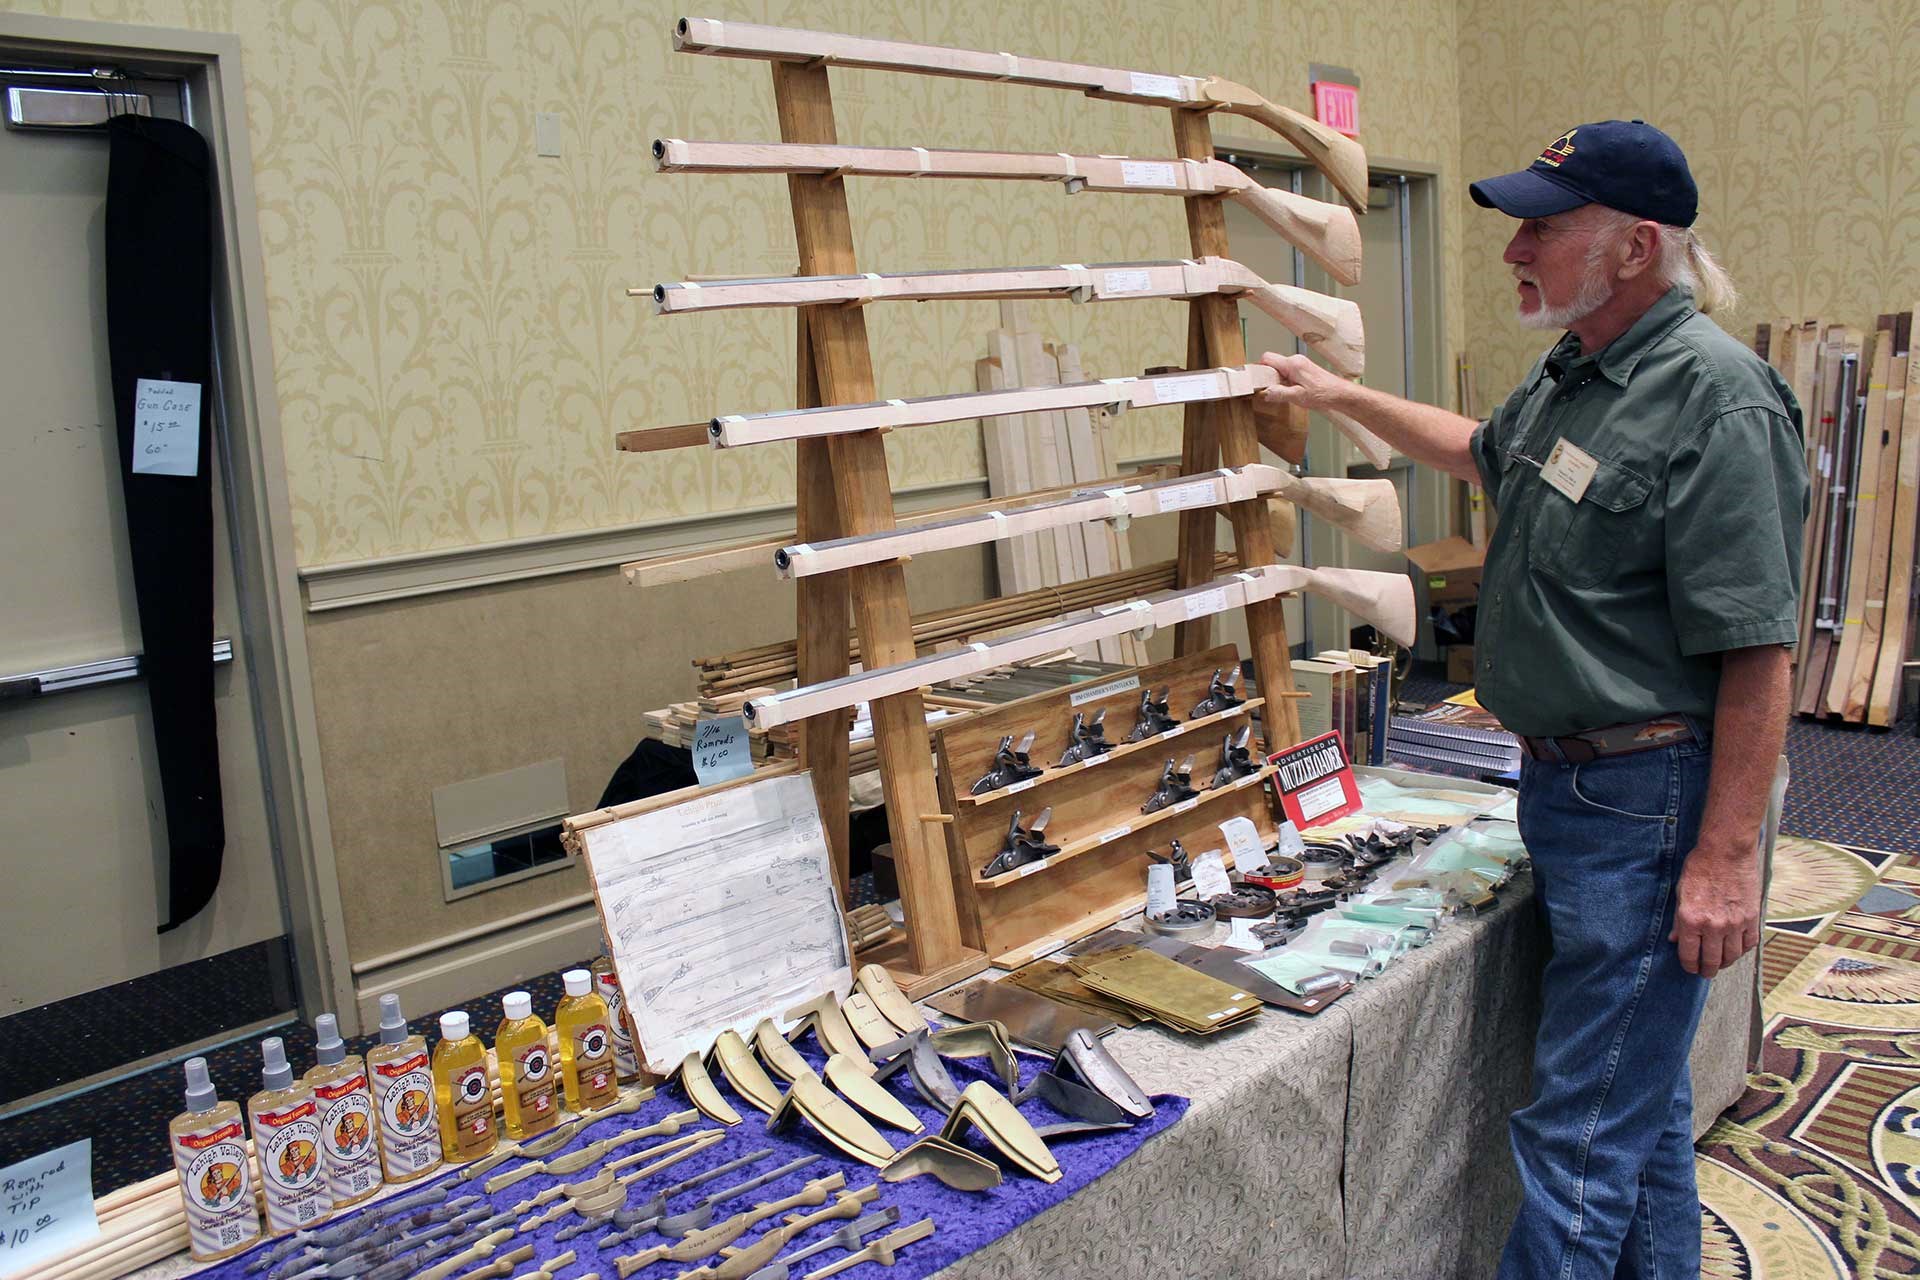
[(46, 1205), (1032, 867), (1113, 833), (1206, 603), (1290, 842), (1320, 797), (1094, 692), (1125, 281), (1143, 85), (1210, 875), (1569, 469), (166, 428), (1021, 786), (1160, 895), (720, 750), (1146, 173), (1244, 843), (1185, 806), (1094, 760), (1194, 386), (1241, 938), (1178, 497)]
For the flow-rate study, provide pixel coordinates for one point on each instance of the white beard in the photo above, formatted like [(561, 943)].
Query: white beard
[(1596, 290)]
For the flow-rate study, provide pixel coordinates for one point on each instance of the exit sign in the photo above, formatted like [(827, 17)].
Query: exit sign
[(1337, 106)]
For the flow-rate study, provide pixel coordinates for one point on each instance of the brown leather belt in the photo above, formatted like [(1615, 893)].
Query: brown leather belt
[(1615, 740)]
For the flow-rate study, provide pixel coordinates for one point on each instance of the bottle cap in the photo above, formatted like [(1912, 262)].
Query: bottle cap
[(328, 1047), (453, 1026), (200, 1091), (275, 1073), (517, 1005), (393, 1026), (578, 981)]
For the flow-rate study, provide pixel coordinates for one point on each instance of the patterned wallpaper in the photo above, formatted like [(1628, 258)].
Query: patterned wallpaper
[(454, 348), (1800, 118)]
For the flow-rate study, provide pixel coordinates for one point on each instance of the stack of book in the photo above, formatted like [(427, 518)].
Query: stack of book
[(1347, 693), (1457, 736)]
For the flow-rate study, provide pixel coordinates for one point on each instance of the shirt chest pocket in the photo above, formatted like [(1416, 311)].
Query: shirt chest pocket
[(1602, 536)]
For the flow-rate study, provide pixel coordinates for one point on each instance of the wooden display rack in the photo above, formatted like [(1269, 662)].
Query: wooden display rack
[(843, 490), (1098, 876)]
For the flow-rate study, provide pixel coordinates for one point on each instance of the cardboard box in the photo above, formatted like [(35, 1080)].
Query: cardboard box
[(1449, 569), (1460, 664)]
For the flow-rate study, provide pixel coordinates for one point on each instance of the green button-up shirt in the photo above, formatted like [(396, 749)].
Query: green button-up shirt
[(1685, 542)]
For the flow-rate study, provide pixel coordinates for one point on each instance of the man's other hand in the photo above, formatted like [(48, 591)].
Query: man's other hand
[(1302, 382), (1718, 917)]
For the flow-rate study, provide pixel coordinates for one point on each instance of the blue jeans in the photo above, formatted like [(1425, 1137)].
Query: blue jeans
[(1605, 1149)]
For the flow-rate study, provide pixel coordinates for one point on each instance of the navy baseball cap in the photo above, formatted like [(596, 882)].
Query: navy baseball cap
[(1624, 164)]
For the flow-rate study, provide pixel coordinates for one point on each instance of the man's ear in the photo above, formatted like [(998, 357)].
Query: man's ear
[(1638, 250)]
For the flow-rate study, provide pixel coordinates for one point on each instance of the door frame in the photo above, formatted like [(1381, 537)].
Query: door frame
[(272, 620)]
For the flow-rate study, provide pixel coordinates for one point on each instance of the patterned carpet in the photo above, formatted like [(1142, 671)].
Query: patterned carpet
[(1815, 1172)]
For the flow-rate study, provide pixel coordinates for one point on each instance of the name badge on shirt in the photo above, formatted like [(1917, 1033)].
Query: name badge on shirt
[(1569, 469)]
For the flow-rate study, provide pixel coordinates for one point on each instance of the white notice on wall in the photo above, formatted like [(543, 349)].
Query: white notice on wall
[(1195, 386), (1178, 497), (1147, 173), (1205, 604), (1210, 876), (166, 428), (1144, 85), (1125, 281)]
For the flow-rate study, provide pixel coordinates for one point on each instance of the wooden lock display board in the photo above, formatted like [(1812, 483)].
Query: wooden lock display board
[(1100, 874)]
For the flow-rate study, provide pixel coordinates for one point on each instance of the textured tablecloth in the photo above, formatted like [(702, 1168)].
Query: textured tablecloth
[(1367, 1142)]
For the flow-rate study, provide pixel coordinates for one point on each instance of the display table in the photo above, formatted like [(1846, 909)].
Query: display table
[(1368, 1141)]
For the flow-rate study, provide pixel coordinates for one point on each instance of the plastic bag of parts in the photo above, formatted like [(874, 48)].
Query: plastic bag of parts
[(1362, 951), (1422, 908)]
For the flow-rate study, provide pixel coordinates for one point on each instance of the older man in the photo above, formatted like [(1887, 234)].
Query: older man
[(1635, 611)]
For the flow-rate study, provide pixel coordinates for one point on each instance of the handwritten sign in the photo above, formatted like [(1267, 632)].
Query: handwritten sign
[(1243, 841), (46, 1206), (166, 428), (720, 751)]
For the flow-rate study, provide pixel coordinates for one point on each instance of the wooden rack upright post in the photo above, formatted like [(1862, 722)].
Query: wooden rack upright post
[(1222, 433), (842, 489)]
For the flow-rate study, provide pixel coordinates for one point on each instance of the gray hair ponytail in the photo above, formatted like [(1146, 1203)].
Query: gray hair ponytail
[(1685, 259)]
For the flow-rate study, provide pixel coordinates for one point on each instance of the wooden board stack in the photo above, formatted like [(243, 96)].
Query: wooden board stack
[(1857, 622), (1049, 450)]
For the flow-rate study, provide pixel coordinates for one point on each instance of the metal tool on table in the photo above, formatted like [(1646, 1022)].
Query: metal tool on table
[(1222, 694), (1010, 765), (834, 1118), (1185, 919), (921, 1053), (1085, 1060), (854, 1080), (708, 1241), (1030, 1018), (823, 1016), (1244, 901), (740, 1261), (1175, 857), (1176, 784), (981, 1107), (592, 1153), (600, 1198), (702, 1093), (353, 1231), (882, 1251), (1155, 716), (743, 1071), (891, 1003), (954, 1165), (686, 1223), (1087, 739), (849, 1237), (1236, 758), (640, 1218), (478, 1251), (1022, 846)]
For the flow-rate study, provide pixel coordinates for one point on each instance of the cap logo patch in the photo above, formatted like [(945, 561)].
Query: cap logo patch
[(1558, 151)]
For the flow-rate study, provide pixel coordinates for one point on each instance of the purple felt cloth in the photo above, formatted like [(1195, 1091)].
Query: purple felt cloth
[(965, 1220)]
